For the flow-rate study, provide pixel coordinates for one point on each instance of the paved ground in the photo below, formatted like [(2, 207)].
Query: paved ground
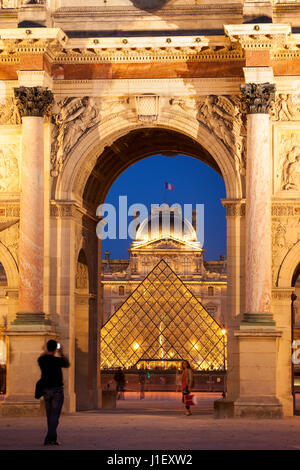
[(152, 425)]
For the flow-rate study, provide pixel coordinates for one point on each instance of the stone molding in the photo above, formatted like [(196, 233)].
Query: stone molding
[(235, 208), (258, 98), (63, 210), (33, 101), (282, 293)]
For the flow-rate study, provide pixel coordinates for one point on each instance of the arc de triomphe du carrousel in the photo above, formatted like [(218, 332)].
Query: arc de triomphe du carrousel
[(86, 91)]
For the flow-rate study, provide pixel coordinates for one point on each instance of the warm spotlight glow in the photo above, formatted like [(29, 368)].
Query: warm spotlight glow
[(224, 331), (136, 346)]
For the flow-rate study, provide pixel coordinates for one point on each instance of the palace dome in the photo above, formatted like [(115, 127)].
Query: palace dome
[(166, 222)]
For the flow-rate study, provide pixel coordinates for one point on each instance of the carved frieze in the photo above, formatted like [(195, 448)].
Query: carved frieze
[(258, 97), (33, 101), (73, 118)]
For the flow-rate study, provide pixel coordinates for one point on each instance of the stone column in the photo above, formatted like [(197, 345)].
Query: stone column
[(33, 103), (257, 336), (28, 333), (258, 99)]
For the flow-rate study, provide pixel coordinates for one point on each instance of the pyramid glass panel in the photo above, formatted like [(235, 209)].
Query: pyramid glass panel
[(162, 321)]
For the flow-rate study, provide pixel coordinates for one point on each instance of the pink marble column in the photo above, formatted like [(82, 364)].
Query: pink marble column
[(31, 254), (33, 103), (258, 204)]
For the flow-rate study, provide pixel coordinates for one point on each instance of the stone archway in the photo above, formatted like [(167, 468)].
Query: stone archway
[(89, 171), (289, 266), (9, 303), (79, 164)]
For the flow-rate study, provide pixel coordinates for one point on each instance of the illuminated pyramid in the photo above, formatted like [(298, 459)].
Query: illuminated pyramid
[(160, 323)]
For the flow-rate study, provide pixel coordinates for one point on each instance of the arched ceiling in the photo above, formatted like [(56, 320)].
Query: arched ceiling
[(131, 148)]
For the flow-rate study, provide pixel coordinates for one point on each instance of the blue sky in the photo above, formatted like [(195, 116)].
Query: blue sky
[(194, 183)]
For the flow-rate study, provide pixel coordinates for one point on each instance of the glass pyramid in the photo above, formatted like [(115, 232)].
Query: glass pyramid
[(162, 323)]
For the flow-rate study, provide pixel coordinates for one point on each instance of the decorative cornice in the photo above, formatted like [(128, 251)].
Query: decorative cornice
[(57, 48), (258, 97), (33, 101), (259, 36)]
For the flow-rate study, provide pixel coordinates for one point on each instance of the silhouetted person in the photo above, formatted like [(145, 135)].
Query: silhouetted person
[(187, 383), (142, 380), (53, 390), (119, 377)]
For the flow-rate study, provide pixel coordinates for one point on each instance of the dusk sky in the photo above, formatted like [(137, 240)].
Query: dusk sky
[(194, 183)]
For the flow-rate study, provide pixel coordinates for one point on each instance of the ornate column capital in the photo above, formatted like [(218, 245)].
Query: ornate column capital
[(33, 101), (258, 98)]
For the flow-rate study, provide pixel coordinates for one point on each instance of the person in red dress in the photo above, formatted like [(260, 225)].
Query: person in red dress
[(187, 383)]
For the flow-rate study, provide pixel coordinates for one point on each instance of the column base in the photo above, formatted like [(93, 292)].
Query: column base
[(249, 407), (258, 320), (36, 321), (15, 406), (258, 407)]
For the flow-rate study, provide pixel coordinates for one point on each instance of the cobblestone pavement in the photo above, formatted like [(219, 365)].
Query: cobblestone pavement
[(152, 425)]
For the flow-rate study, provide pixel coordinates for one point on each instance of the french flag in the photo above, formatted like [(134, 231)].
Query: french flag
[(169, 186)]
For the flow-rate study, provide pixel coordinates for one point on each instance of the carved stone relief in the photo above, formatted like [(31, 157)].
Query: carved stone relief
[(285, 234), (82, 276), (10, 239), (9, 113), (287, 107), (223, 116), (287, 164), (73, 118), (9, 167), (147, 107)]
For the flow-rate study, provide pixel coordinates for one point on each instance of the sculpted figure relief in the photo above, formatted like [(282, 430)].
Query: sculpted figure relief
[(223, 116), (293, 174), (289, 162), (9, 113), (9, 169), (287, 108), (75, 117), (81, 276)]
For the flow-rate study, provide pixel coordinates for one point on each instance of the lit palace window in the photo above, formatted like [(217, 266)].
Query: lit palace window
[(121, 290)]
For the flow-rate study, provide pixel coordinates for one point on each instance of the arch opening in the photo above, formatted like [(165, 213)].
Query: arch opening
[(134, 146)]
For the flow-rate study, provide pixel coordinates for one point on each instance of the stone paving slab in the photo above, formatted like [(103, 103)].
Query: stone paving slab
[(152, 426)]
